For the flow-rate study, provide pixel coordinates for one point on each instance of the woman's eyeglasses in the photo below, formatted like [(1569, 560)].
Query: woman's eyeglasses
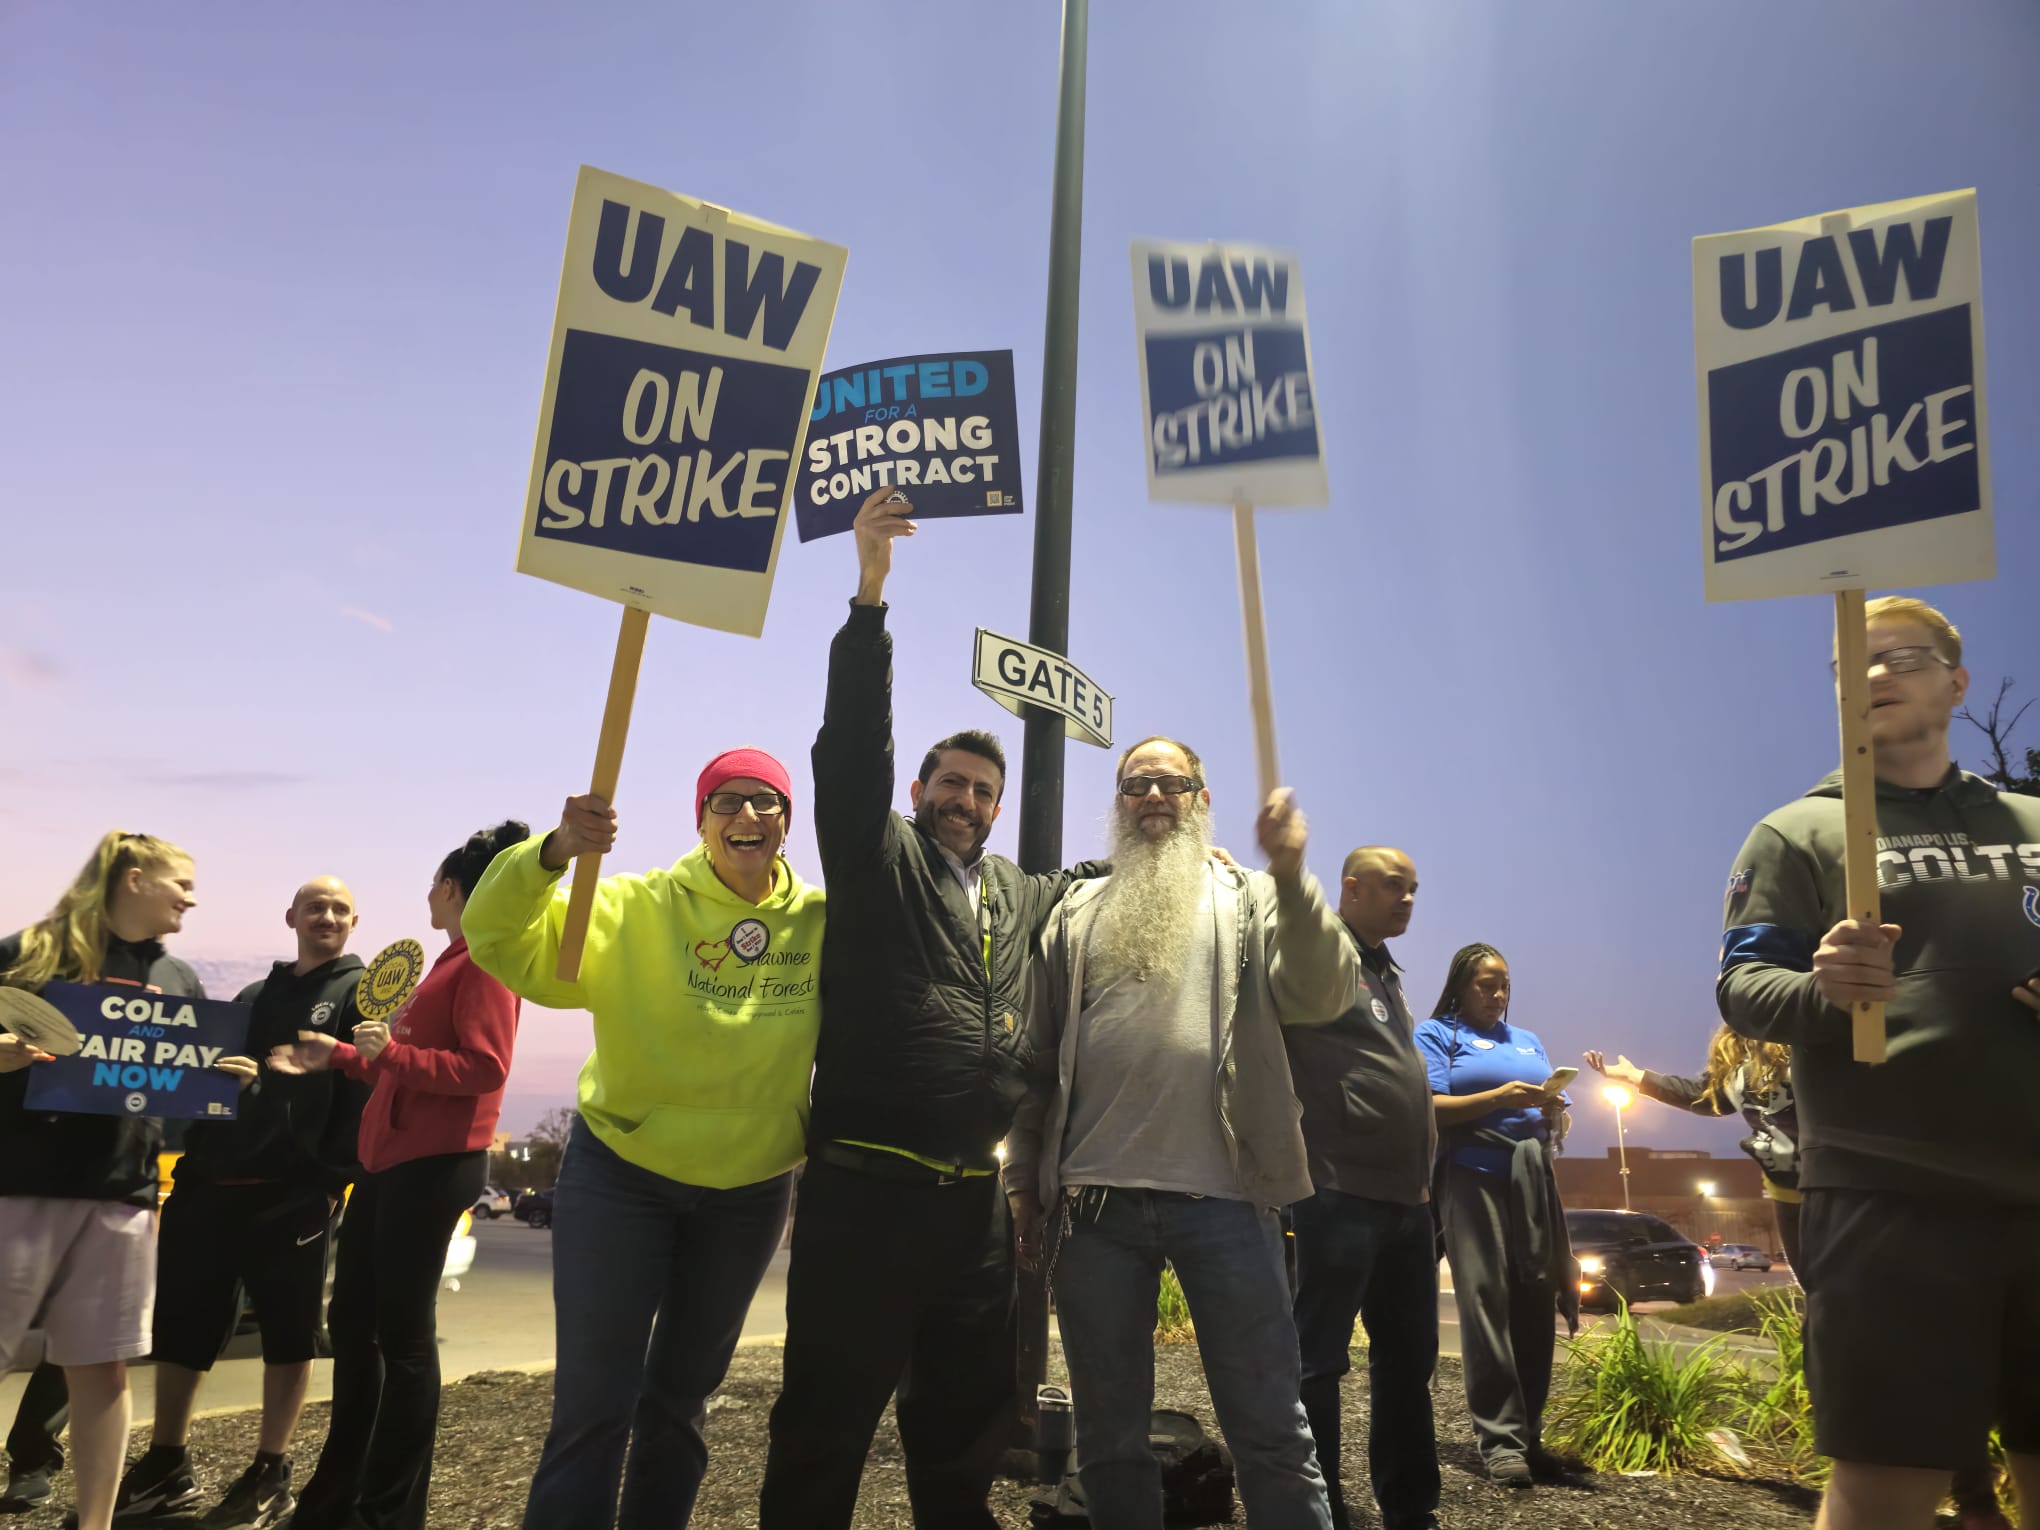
[(729, 804)]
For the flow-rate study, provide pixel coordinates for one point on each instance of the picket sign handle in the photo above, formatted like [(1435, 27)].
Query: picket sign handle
[(1259, 696), (630, 648), (1859, 798)]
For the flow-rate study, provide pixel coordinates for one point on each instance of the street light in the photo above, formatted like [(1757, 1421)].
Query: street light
[(1617, 1096)]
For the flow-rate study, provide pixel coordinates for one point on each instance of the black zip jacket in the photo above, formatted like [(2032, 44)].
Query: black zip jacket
[(1953, 1112), (88, 1158), (921, 1045), (1369, 1124), (292, 1130)]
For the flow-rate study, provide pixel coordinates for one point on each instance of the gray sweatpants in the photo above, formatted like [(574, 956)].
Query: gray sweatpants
[(1507, 1324)]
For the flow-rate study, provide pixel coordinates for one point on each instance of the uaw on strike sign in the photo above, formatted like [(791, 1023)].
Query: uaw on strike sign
[(1842, 437), (684, 355), (1225, 380)]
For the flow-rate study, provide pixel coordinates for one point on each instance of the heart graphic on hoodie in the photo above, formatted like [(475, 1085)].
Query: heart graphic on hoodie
[(712, 954)]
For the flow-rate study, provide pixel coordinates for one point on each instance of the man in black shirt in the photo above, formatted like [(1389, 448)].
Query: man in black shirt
[(1365, 1246), (252, 1210), (902, 1274)]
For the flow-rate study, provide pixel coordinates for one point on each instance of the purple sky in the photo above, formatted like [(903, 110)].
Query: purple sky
[(280, 287)]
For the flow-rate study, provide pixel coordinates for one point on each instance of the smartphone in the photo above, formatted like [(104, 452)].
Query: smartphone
[(1560, 1077)]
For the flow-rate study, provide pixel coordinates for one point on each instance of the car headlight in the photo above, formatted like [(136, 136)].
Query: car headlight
[(1707, 1277), (1591, 1265)]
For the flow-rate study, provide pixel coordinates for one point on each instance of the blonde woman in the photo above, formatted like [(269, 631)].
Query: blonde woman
[(77, 1192)]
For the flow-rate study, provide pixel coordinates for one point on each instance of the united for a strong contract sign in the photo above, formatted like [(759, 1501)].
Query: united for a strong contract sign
[(1841, 387)]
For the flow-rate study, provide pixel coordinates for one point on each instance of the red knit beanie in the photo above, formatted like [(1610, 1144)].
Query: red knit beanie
[(736, 765)]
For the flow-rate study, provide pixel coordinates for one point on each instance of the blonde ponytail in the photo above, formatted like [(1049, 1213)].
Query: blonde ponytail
[(70, 945)]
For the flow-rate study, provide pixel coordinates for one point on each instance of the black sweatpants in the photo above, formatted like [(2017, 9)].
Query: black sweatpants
[(901, 1285), (377, 1462)]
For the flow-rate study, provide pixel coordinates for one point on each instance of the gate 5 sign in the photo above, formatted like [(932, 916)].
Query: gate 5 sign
[(141, 1054), (684, 355), (1842, 438), (1225, 380), (1016, 674)]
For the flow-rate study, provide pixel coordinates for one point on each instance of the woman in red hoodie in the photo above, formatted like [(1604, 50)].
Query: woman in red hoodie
[(438, 1070)]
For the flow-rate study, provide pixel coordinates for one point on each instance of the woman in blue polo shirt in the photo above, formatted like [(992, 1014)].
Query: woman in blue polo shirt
[(1497, 1199)]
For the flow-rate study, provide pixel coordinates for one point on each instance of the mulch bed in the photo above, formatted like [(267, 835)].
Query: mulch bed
[(491, 1427)]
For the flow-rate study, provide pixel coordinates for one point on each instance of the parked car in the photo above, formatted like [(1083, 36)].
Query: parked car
[(1628, 1256), (534, 1207), (1740, 1256), (492, 1204)]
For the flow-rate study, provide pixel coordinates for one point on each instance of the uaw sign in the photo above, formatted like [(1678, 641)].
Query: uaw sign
[(1229, 408), (1840, 375), (141, 1054), (684, 355), (1017, 675)]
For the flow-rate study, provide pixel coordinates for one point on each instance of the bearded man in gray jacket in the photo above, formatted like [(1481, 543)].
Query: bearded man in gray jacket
[(1161, 1126)]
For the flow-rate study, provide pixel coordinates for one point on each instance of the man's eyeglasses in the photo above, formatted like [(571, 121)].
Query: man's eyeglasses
[(1900, 661), (729, 804), (1171, 786)]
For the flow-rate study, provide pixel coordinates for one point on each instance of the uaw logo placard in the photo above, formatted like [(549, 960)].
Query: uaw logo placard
[(389, 980)]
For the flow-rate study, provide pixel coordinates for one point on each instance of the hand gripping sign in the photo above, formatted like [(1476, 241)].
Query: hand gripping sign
[(1229, 409), (1843, 446), (685, 350)]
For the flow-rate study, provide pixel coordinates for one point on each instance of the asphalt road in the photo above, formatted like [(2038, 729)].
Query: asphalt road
[(502, 1318)]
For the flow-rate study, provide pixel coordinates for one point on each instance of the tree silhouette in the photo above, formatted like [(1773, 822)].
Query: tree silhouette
[(1997, 730)]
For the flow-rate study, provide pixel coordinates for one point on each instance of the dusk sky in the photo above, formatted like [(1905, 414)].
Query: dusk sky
[(280, 285)]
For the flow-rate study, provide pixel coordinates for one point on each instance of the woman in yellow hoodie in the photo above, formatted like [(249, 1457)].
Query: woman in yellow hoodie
[(704, 981)]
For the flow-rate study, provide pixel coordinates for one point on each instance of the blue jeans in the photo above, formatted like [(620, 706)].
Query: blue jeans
[(1228, 1256), (1376, 1261), (651, 1282)]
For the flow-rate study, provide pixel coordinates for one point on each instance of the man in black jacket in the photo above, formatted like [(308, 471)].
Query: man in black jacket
[(251, 1210), (1365, 1246), (901, 1273)]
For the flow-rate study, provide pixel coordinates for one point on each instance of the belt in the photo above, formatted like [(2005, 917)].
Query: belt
[(878, 1165)]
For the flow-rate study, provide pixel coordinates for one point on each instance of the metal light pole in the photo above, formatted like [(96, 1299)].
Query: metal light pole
[(1048, 625), (1617, 1096)]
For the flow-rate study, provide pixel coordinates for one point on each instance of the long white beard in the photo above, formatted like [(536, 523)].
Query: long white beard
[(1147, 914)]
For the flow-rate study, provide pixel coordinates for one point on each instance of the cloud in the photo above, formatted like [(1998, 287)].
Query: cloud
[(380, 623), (30, 668), (229, 780)]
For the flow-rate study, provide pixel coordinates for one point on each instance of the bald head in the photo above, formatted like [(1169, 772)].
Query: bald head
[(322, 915), (1377, 893)]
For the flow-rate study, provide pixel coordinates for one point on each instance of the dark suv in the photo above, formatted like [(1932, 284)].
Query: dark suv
[(1628, 1256)]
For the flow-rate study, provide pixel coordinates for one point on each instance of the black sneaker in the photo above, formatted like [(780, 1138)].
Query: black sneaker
[(157, 1487), (1548, 1466), (257, 1501), (1509, 1470), (25, 1490)]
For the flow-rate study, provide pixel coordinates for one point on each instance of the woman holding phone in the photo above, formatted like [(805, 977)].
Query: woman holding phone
[(1497, 1200)]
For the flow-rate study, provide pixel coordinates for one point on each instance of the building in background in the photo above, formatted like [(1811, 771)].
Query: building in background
[(1709, 1199)]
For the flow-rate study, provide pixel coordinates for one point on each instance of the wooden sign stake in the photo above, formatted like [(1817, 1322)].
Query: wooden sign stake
[(630, 648), (1859, 797), (1259, 695)]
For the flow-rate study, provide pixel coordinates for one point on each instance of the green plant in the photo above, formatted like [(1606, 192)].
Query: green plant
[(1635, 1406), (1779, 1422), (1172, 1311)]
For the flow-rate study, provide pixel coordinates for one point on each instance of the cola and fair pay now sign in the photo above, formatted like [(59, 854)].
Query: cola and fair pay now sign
[(1843, 442)]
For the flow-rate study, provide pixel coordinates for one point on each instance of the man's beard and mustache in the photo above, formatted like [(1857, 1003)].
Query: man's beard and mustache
[(1147, 915), (934, 821)]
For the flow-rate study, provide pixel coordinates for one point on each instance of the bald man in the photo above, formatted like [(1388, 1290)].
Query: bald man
[(253, 1209), (1365, 1246)]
